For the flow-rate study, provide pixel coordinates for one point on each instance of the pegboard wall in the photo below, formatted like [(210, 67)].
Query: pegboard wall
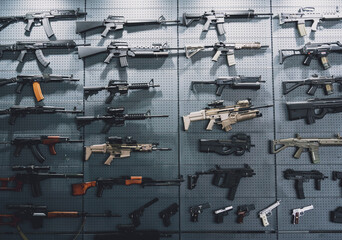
[(174, 98)]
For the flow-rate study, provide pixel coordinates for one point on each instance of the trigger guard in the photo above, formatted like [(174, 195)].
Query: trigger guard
[(239, 151)]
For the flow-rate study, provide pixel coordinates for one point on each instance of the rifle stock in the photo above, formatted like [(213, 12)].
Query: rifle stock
[(83, 26), (80, 189)]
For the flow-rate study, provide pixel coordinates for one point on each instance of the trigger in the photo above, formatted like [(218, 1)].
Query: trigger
[(52, 149)]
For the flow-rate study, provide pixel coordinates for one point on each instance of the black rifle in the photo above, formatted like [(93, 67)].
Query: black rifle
[(33, 144), (337, 176), (33, 176), (42, 18), (167, 213), (312, 51), (243, 211), (36, 215), (239, 144), (313, 109), (37, 48), (114, 23), (218, 18), (223, 178), (336, 216), (304, 176), (196, 210), (118, 86), (114, 116), (17, 111), (121, 50), (220, 213), (314, 82), (138, 213), (237, 82), (35, 80), (79, 189)]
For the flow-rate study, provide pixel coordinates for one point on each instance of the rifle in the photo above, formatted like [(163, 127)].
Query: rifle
[(35, 80), (118, 86), (114, 23), (36, 215), (34, 19), (196, 210), (239, 144), (167, 213), (138, 213), (224, 115), (217, 18), (298, 212), (314, 82), (304, 176), (268, 212), (37, 48), (114, 116), (16, 111), (220, 213), (33, 176), (308, 14), (118, 147), (313, 51), (79, 189), (237, 82), (121, 50), (223, 178), (33, 144), (308, 144), (313, 109), (243, 211)]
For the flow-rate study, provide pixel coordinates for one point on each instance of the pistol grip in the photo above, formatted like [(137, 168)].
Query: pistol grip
[(29, 24), (206, 26), (105, 32), (52, 149), (37, 91), (109, 160)]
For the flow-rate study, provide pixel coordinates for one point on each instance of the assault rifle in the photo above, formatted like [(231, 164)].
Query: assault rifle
[(17, 111), (313, 51), (33, 144), (314, 82), (304, 176), (237, 82), (313, 109), (238, 145), (36, 215), (37, 48), (308, 14), (217, 18), (223, 178), (79, 189), (118, 86), (224, 115), (33, 176), (305, 144), (34, 19), (118, 147), (115, 23), (114, 116), (35, 80)]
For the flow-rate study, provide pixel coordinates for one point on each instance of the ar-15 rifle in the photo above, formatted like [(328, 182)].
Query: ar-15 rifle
[(35, 80), (217, 18), (37, 48), (118, 147), (33, 176), (17, 111), (138, 213), (115, 23), (224, 115), (33, 144), (308, 14), (34, 19), (114, 116), (118, 86), (313, 109), (313, 51), (121, 50), (314, 82), (237, 82), (304, 176), (302, 144), (36, 215), (108, 183), (223, 178), (167, 213), (239, 144)]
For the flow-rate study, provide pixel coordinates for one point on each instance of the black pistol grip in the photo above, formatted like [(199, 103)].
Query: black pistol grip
[(18, 149)]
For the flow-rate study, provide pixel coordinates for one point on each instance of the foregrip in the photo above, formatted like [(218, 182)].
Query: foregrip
[(299, 188)]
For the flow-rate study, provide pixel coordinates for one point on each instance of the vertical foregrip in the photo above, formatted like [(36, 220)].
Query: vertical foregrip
[(299, 188)]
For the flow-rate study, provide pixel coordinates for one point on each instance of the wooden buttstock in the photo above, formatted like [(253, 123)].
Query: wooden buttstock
[(79, 189), (60, 214)]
